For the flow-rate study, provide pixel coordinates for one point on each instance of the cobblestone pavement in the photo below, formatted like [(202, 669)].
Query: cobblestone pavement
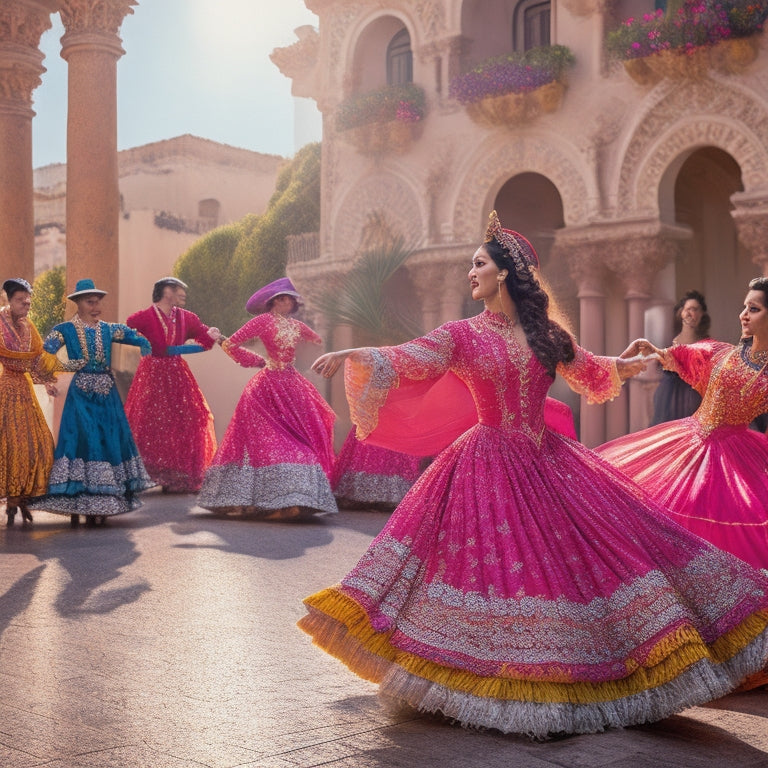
[(166, 639)]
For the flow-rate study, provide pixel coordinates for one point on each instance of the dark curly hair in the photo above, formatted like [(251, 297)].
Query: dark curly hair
[(702, 329), (550, 342)]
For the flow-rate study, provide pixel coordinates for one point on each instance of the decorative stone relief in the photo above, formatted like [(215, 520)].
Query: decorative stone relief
[(585, 7), (339, 23), (687, 117), (431, 14), (298, 60), (383, 195), (23, 25), (17, 83), (499, 160), (95, 15), (633, 252), (750, 215)]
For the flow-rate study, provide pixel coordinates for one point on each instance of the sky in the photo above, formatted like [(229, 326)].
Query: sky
[(190, 66)]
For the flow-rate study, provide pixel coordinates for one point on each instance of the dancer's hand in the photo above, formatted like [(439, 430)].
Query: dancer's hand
[(640, 347), (51, 388), (326, 365), (631, 366), (215, 334)]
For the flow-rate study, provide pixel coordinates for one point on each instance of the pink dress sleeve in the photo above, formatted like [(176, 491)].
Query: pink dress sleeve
[(594, 376), (307, 334), (406, 398), (245, 357), (693, 362)]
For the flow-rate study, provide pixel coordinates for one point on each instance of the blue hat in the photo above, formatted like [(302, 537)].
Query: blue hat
[(84, 287), (280, 287), (20, 281)]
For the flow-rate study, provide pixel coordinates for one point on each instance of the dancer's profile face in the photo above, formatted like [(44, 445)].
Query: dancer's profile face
[(484, 276), (754, 316)]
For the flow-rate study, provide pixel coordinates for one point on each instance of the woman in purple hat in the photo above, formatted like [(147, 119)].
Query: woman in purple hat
[(276, 457)]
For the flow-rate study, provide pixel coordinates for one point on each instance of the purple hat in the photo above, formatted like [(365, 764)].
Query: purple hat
[(280, 287)]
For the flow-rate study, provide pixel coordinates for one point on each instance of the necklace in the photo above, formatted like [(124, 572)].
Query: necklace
[(80, 327), (170, 333)]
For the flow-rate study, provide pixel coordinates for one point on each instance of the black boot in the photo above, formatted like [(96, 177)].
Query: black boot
[(26, 515), (11, 512), (74, 521)]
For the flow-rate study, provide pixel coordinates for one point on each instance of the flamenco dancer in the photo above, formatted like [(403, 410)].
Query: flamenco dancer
[(276, 457), (523, 584), (710, 471), (97, 471), (169, 417), (26, 444)]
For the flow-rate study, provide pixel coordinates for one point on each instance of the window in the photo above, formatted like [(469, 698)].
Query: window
[(531, 25), (209, 210), (400, 59)]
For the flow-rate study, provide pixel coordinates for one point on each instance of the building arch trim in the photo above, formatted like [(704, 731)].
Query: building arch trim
[(683, 120), (389, 190), (493, 164)]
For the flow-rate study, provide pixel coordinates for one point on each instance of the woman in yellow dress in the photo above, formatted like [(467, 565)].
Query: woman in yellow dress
[(26, 445)]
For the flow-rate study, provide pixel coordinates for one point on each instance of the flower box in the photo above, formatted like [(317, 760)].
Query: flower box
[(689, 42), (393, 137), (508, 90), (729, 57)]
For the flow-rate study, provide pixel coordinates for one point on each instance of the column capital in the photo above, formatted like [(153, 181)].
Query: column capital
[(750, 215), (635, 251), (22, 23), (105, 16)]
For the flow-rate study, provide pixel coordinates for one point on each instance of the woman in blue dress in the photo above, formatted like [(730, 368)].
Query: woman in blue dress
[(97, 470)]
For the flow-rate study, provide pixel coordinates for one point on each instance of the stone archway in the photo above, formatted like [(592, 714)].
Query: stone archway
[(682, 119), (383, 193), (493, 163)]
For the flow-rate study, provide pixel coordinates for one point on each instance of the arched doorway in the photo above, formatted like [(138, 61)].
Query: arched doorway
[(712, 260)]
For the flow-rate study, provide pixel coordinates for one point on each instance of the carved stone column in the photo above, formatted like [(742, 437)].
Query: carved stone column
[(22, 22), (750, 214), (637, 257), (91, 48), (589, 274)]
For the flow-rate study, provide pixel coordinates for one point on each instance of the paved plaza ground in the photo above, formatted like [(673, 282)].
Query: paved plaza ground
[(167, 639)]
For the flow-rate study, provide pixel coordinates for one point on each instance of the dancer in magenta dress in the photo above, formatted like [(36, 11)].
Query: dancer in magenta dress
[(276, 457), (523, 584), (710, 470), (371, 477), (169, 417)]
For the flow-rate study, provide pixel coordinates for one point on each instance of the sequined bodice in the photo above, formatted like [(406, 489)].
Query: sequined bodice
[(506, 380), (280, 336), (737, 391)]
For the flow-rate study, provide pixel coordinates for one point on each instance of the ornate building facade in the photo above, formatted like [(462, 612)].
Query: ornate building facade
[(634, 187)]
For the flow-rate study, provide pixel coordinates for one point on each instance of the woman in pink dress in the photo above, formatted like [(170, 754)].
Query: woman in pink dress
[(169, 417), (276, 457), (523, 584), (368, 476), (710, 470)]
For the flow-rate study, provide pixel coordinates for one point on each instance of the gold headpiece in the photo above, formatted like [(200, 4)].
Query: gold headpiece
[(520, 250)]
